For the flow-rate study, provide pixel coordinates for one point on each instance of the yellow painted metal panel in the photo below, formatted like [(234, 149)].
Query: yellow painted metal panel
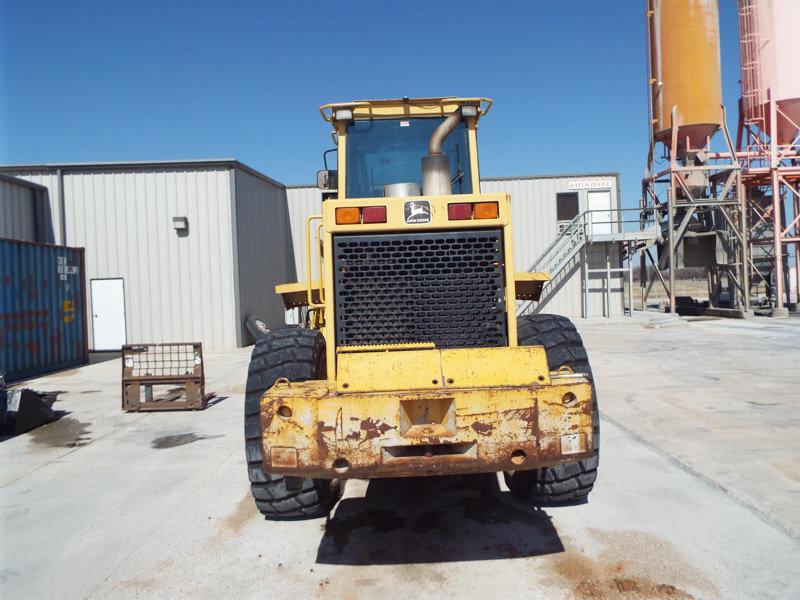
[(472, 129), (441, 368), (329, 327), (491, 367), (528, 286), (685, 68), (296, 294), (398, 370)]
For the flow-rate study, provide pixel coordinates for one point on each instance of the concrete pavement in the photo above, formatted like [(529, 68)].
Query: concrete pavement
[(697, 493)]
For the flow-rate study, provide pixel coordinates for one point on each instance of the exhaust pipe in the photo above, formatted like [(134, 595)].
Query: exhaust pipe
[(436, 166)]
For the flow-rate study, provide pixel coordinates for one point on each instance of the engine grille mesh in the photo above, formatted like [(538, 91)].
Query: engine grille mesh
[(441, 287)]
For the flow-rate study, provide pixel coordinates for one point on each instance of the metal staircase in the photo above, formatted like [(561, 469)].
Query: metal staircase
[(587, 228)]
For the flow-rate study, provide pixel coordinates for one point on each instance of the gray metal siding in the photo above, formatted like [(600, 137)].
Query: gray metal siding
[(303, 201), (176, 288), (49, 214), (264, 250), (535, 226), (17, 211)]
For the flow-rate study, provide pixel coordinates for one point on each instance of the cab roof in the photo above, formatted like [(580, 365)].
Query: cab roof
[(403, 107)]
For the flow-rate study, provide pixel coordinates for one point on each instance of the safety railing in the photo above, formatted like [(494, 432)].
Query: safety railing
[(630, 225)]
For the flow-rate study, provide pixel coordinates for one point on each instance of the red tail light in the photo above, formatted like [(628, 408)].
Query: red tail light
[(374, 214), (459, 212)]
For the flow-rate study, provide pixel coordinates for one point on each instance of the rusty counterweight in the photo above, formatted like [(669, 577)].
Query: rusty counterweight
[(314, 432)]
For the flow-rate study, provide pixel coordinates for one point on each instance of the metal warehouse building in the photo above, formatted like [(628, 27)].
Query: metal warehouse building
[(589, 284), (187, 250), (175, 251)]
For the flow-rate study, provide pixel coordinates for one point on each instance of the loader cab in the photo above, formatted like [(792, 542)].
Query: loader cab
[(381, 145), (387, 153)]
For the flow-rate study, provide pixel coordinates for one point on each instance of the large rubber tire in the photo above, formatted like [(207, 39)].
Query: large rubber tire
[(298, 355), (568, 483)]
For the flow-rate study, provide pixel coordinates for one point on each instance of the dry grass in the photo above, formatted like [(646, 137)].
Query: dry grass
[(696, 288)]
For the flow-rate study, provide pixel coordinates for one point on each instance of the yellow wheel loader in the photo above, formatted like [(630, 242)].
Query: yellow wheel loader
[(412, 360)]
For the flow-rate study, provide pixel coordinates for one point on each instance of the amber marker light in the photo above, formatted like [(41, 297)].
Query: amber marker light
[(348, 215), (485, 210)]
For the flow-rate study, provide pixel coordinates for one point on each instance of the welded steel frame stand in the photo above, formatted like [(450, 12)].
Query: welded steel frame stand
[(769, 166), (667, 193), (766, 164)]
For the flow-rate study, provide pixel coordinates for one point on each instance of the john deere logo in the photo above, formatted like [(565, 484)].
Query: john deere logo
[(418, 211)]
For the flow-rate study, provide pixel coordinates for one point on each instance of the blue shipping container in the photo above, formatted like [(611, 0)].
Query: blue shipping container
[(42, 308)]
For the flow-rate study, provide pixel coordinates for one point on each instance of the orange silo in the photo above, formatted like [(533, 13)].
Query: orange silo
[(684, 70)]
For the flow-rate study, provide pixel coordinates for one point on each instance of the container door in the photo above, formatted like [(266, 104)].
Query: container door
[(601, 215), (108, 314)]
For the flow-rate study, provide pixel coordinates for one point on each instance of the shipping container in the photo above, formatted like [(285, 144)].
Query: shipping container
[(43, 324)]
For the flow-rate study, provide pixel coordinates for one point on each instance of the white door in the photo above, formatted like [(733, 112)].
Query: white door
[(601, 215), (108, 313)]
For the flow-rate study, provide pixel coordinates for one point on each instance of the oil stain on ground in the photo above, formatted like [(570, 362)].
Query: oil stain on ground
[(178, 439), (631, 564), (244, 512), (64, 433), (231, 526)]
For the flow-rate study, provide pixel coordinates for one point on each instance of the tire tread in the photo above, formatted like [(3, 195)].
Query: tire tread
[(296, 354), (572, 482)]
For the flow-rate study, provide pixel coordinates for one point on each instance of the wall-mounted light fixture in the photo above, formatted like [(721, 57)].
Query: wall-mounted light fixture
[(181, 225)]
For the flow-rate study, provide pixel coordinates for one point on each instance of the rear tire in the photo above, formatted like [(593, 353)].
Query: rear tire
[(298, 355), (568, 483)]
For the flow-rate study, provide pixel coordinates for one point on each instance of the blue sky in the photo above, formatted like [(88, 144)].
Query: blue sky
[(97, 81)]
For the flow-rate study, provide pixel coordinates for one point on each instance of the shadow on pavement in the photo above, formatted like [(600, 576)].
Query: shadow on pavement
[(103, 356), (435, 519), (214, 400)]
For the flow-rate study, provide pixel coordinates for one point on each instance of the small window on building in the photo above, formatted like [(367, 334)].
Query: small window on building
[(566, 206)]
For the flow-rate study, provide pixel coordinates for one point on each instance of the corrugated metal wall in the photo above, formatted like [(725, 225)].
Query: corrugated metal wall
[(50, 226), (177, 288), (42, 308), (535, 227), (17, 210), (264, 249), (303, 201)]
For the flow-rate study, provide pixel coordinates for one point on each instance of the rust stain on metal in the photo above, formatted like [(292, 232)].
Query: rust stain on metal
[(267, 415), (528, 416), (482, 428), (324, 428), (374, 430)]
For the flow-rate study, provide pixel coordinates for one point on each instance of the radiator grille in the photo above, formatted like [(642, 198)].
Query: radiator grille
[(441, 287)]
